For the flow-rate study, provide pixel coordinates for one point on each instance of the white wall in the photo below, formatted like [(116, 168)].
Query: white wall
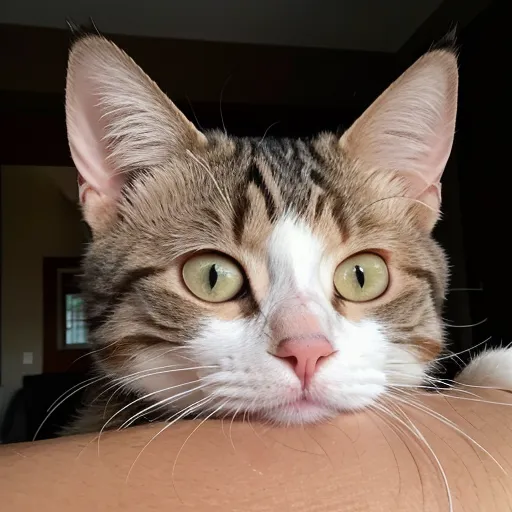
[(37, 221)]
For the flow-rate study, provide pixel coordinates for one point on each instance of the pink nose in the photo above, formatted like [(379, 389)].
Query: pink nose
[(304, 355)]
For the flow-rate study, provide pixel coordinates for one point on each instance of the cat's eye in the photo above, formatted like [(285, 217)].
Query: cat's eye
[(362, 277), (213, 277)]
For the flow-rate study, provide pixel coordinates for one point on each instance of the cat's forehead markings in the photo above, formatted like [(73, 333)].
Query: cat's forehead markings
[(294, 255)]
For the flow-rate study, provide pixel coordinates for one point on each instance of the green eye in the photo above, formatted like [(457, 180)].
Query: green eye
[(362, 277), (213, 277)]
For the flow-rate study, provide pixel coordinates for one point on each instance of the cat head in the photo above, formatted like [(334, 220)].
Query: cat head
[(288, 279)]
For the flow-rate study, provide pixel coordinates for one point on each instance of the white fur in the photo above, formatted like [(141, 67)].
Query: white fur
[(492, 368), (241, 374), (294, 256)]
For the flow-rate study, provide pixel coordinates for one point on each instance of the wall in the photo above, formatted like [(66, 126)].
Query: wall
[(484, 170), (37, 221)]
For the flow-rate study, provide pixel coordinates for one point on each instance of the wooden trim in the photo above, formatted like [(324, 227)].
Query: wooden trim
[(203, 71), (303, 90), (55, 360)]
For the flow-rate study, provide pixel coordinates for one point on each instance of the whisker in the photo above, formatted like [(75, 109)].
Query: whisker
[(437, 391), (145, 397), (215, 182), (454, 384), (436, 458), (90, 381), (54, 408), (463, 351), (411, 427), (446, 421), (220, 103), (477, 400), (452, 326), (194, 113), (231, 428), (165, 401), (176, 417), (266, 131), (414, 200), (185, 442), (125, 382)]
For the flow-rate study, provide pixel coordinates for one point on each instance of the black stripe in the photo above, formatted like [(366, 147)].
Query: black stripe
[(256, 178), (315, 156), (274, 152), (94, 322), (121, 289), (213, 216), (239, 148), (338, 214), (131, 278), (248, 304), (145, 339), (241, 207), (386, 312), (318, 179), (319, 206), (241, 199), (150, 320)]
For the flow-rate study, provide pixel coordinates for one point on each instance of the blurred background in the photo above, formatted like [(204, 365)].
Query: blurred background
[(282, 67)]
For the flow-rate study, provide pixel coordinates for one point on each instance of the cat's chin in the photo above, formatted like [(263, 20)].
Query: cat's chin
[(307, 411), (300, 412)]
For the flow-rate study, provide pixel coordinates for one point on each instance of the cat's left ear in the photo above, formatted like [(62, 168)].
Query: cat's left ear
[(118, 122), (410, 128)]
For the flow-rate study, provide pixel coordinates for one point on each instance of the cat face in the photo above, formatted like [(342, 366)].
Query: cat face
[(287, 279)]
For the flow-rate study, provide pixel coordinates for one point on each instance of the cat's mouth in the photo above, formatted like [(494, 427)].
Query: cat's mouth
[(302, 407), (304, 402)]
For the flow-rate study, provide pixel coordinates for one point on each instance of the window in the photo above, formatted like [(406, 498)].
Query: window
[(72, 329), (76, 330), (65, 329)]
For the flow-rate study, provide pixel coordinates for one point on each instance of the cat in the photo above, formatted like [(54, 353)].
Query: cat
[(290, 280)]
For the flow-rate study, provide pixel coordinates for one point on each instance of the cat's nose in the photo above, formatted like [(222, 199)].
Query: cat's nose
[(304, 355)]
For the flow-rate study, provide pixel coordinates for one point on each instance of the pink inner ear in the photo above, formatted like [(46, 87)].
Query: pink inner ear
[(410, 127), (86, 134)]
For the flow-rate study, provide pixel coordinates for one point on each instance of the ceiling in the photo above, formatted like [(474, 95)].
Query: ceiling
[(374, 25)]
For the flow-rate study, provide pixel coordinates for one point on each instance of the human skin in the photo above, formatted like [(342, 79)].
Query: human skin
[(357, 462)]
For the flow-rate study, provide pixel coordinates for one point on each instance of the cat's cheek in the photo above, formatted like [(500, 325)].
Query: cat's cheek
[(404, 366)]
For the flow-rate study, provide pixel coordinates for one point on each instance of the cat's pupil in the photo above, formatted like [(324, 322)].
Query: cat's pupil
[(213, 276), (359, 275)]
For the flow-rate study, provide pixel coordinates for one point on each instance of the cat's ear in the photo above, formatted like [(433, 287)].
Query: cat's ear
[(410, 127), (118, 121)]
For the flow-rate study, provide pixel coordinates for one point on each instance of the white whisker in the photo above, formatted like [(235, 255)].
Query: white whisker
[(165, 401), (52, 409), (217, 186), (231, 428), (126, 381), (176, 417), (186, 440), (411, 427), (449, 423), (463, 351), (145, 397), (467, 325)]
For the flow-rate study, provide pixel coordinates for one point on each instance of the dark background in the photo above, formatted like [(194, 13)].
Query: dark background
[(310, 90)]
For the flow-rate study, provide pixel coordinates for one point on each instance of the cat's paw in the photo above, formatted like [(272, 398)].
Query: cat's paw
[(492, 368)]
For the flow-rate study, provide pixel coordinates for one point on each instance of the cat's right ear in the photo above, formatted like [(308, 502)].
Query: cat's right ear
[(118, 122), (410, 129)]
